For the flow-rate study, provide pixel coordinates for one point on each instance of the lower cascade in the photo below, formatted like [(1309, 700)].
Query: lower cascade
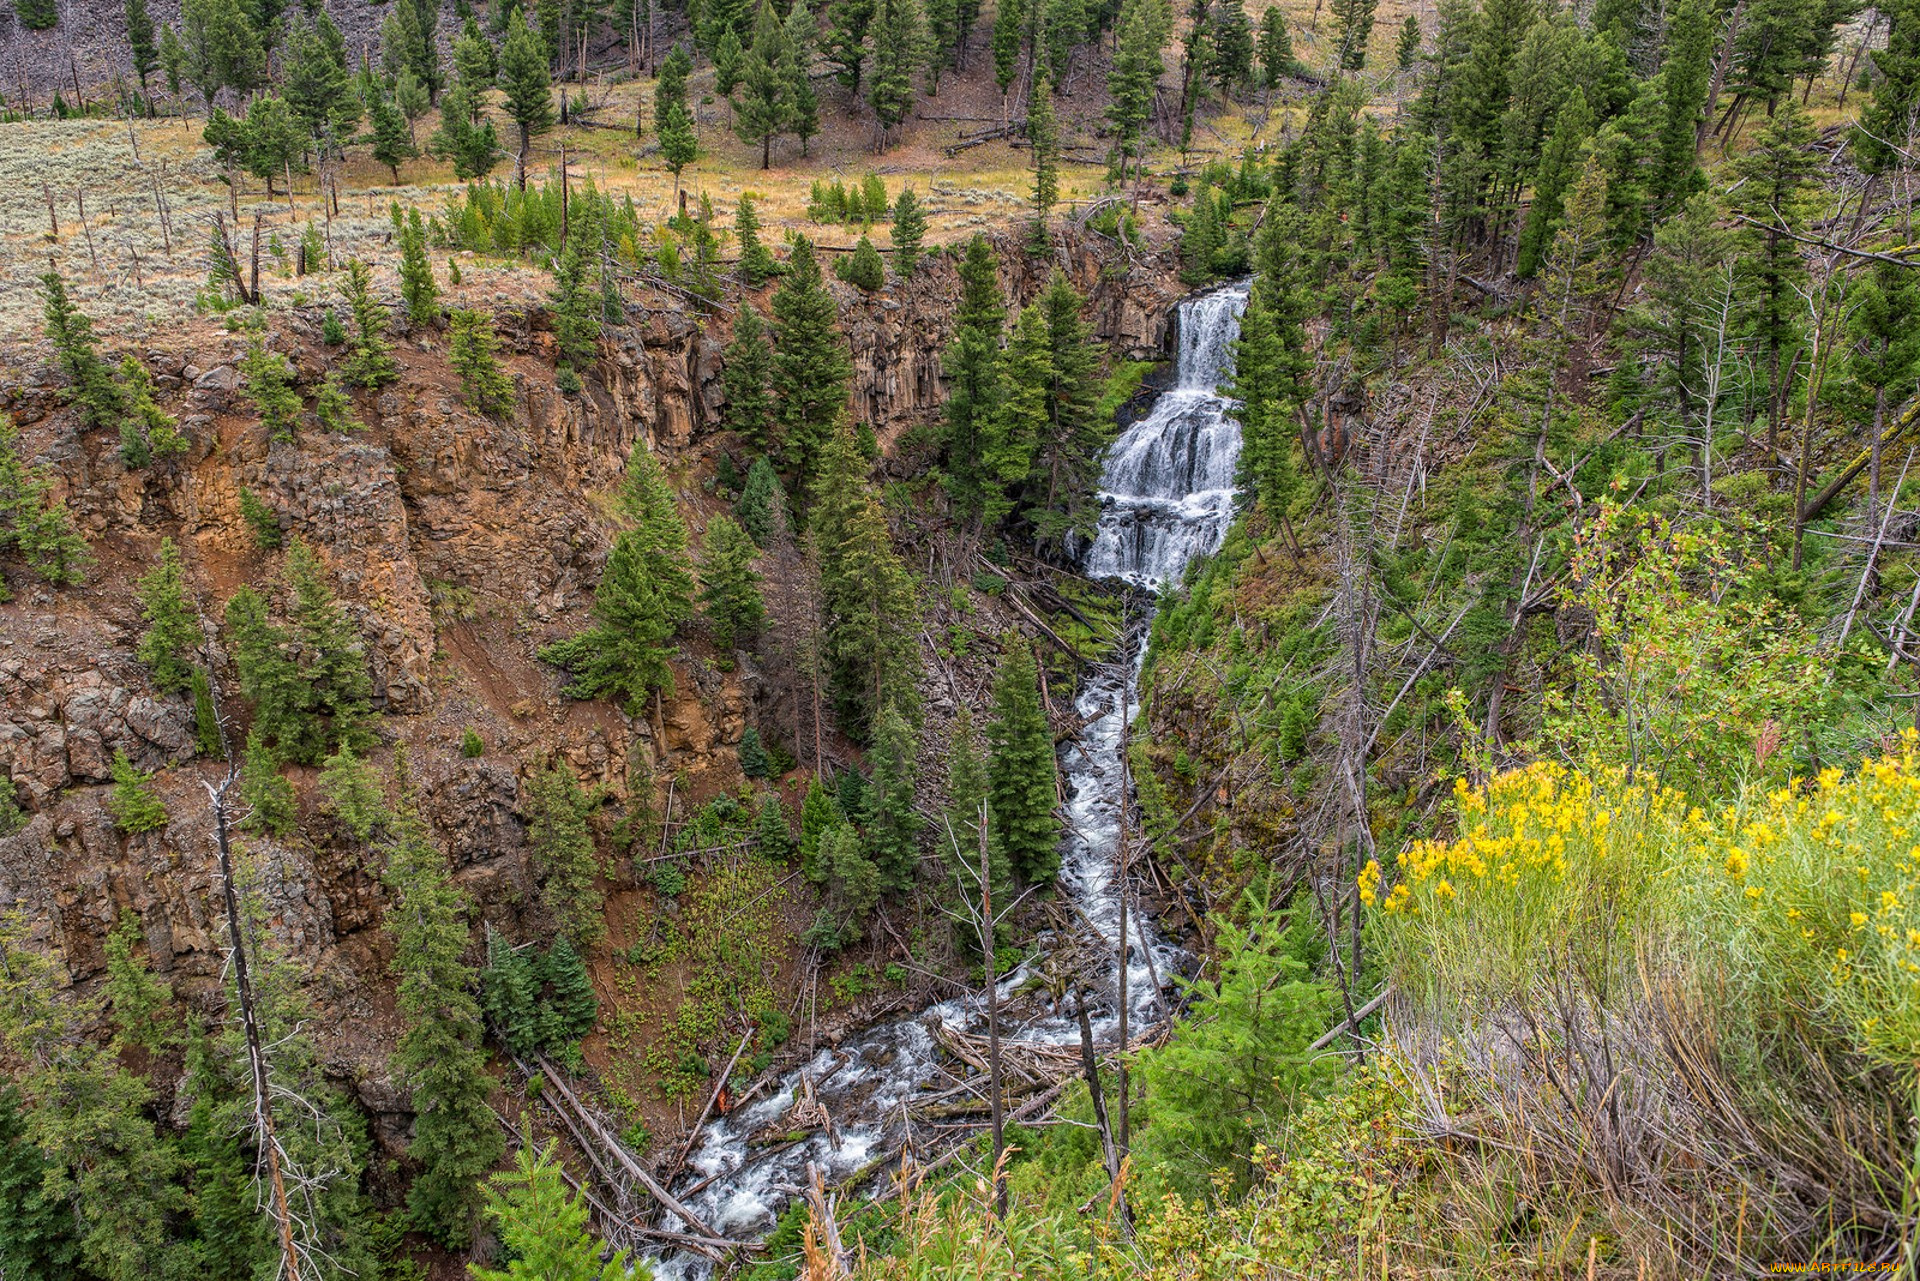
[(1167, 496)]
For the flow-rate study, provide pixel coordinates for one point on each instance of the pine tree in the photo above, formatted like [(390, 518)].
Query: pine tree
[(762, 509), (1277, 61), (745, 374), (1137, 68), (848, 23), (729, 61), (32, 521), (1230, 64), (105, 1171), (863, 268), (967, 793), (1682, 84), (558, 813), (976, 377), (472, 352), (392, 140), (811, 367), (893, 826), (819, 812), (1885, 324), (943, 40), (1043, 135), (1021, 770), (679, 145), (853, 889), (268, 795), (418, 292), (867, 594), (569, 994), (315, 81), (760, 114), (1354, 20), (730, 586), (754, 762), (266, 378), (221, 47), (1407, 52), (206, 719), (134, 807), (1062, 28), (648, 500), (528, 88), (1272, 364), (625, 654), (369, 361), (770, 826), (1887, 123), (1771, 191), (1008, 441), (353, 793), (898, 50), (510, 997), (145, 53), (545, 1226), (1559, 165), (173, 632), (333, 406), (1060, 499), (909, 233), (670, 86), (71, 333), (471, 145), (756, 262), (576, 314), (1009, 37), (307, 683), (262, 519), (37, 1232), (439, 1058), (148, 433), (801, 103)]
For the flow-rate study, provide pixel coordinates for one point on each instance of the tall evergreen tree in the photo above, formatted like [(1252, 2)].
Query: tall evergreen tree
[(528, 88), (893, 825), (558, 826), (439, 1058), (811, 367), (369, 361), (173, 633), (898, 51), (746, 375), (1771, 192), (866, 593), (545, 1226), (1060, 499), (1277, 61), (908, 232), (976, 377), (760, 112), (730, 586), (756, 262), (800, 104), (141, 46), (1043, 137), (1354, 20), (762, 509), (70, 331), (1022, 770), (848, 22)]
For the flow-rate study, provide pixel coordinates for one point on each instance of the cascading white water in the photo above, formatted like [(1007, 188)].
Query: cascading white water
[(1168, 494)]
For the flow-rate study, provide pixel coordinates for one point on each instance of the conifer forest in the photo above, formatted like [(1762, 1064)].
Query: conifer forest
[(890, 640)]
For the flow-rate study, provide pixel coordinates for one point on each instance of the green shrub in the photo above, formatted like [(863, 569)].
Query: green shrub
[(135, 809), (262, 519), (471, 744)]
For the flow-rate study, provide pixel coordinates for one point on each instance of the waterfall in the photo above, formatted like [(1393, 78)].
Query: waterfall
[(1167, 495)]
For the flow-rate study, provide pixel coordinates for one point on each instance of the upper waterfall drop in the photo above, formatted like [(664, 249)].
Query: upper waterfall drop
[(1167, 491)]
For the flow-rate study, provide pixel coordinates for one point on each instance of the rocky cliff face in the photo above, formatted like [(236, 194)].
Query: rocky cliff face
[(459, 544)]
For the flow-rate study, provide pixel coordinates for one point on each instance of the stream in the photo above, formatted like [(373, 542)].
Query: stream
[(1167, 496)]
